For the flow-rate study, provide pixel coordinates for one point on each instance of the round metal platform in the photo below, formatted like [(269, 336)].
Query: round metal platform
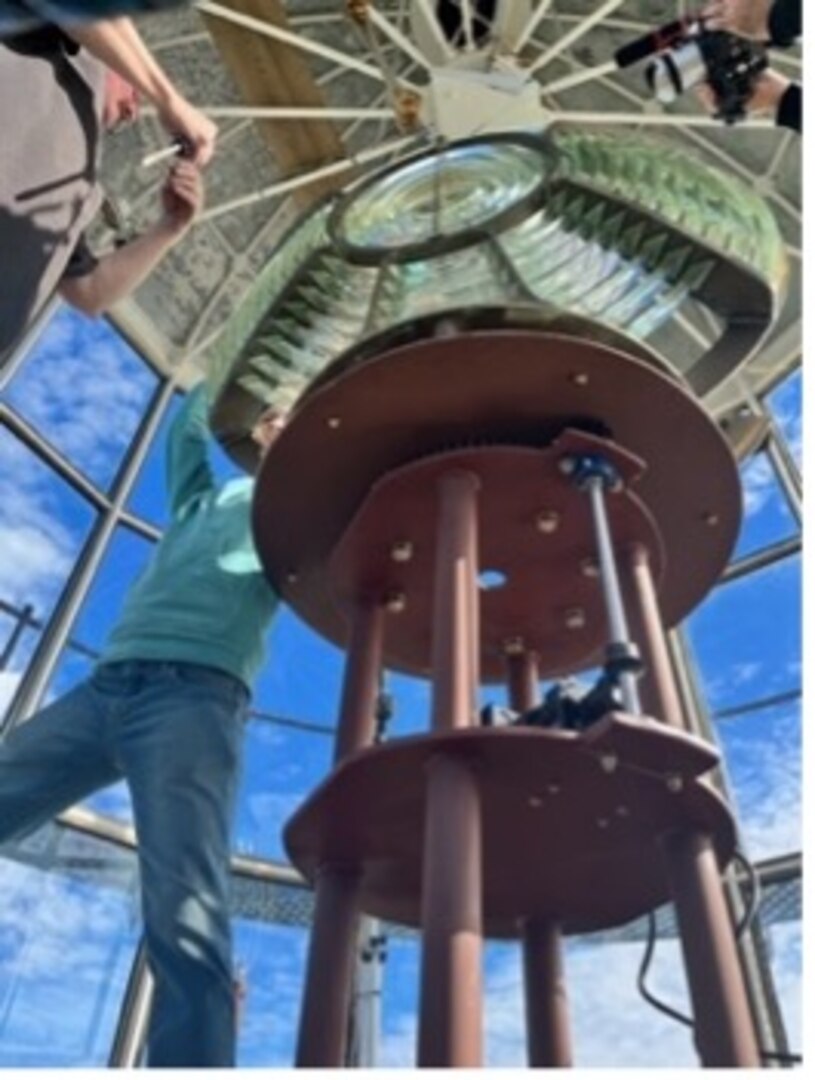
[(518, 387), (564, 838)]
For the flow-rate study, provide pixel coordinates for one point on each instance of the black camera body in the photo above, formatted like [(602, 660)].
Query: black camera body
[(685, 54)]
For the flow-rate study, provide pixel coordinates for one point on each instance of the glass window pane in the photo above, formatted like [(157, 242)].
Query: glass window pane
[(86, 390), (786, 406), (43, 525), (767, 516), (762, 753), (67, 941), (747, 636), (785, 942), (273, 960)]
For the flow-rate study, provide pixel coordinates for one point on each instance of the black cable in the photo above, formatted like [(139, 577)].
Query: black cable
[(754, 886), (674, 1014)]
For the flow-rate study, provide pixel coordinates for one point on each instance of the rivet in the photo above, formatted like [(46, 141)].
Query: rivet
[(291, 578), (574, 618), (590, 567), (609, 762), (402, 551), (710, 519), (334, 422), (395, 602), (602, 823), (674, 783), (580, 378), (622, 811), (553, 789), (536, 802), (567, 464), (547, 521), (514, 646)]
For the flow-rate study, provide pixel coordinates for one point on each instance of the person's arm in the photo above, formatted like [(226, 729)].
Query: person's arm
[(189, 473), (117, 43), (117, 275), (774, 22)]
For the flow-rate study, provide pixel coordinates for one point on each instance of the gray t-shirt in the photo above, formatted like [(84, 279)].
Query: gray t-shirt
[(51, 98)]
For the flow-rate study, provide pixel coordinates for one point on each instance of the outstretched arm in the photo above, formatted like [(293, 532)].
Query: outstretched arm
[(189, 473), (116, 275), (116, 42)]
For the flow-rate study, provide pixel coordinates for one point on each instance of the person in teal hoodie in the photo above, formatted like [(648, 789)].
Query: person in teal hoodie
[(165, 709)]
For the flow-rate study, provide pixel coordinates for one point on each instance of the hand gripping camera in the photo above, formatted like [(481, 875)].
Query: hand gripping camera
[(684, 54)]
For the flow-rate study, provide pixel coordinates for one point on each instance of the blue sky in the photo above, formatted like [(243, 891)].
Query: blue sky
[(86, 391)]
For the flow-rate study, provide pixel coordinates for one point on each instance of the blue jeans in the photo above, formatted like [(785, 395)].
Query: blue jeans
[(174, 731)]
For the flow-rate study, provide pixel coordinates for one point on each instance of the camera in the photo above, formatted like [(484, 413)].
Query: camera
[(684, 54)]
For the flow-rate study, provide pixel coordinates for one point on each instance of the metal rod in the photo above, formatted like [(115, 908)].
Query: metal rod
[(295, 112), (787, 473), (528, 29), (548, 1035), (466, 11), (617, 622), (435, 27), (323, 1032), (760, 560), (723, 1024), (577, 78), (759, 705), (450, 1004), (292, 183), (363, 665), (652, 642), (576, 32), (455, 601), (23, 621), (664, 120), (272, 30), (397, 37), (130, 1037)]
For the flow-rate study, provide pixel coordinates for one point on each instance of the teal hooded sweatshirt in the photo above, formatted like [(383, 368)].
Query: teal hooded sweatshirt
[(203, 597)]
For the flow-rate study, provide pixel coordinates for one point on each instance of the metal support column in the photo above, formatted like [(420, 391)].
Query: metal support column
[(450, 1021), (548, 1035)]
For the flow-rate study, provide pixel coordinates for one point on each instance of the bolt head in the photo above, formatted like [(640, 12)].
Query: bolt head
[(333, 422), (514, 646), (402, 551), (580, 378), (547, 521), (602, 823), (567, 464), (590, 567), (535, 801), (291, 578), (553, 789), (395, 603), (609, 763), (710, 519), (674, 783), (574, 619)]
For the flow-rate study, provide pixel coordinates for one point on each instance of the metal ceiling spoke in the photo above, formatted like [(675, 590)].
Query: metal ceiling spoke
[(436, 28), (576, 32), (287, 37), (292, 183), (295, 112), (663, 120), (577, 78), (514, 45), (382, 23)]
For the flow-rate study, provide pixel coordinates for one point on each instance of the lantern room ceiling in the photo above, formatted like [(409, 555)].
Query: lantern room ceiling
[(308, 98)]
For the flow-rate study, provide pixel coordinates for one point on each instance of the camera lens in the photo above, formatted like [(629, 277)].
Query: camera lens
[(674, 72)]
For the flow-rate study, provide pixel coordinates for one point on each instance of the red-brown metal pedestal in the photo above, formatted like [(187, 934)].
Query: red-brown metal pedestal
[(375, 531)]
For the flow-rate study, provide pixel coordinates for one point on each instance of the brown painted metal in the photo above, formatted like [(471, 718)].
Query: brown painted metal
[(724, 1029), (544, 574), (658, 684), (450, 1007), (330, 971), (455, 676), (548, 1035), (546, 800), (363, 665), (518, 387)]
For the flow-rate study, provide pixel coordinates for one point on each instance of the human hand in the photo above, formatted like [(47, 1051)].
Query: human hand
[(183, 121), (182, 197), (746, 18), (769, 89)]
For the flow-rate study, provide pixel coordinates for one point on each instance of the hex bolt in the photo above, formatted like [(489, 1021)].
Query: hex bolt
[(402, 551), (547, 521)]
